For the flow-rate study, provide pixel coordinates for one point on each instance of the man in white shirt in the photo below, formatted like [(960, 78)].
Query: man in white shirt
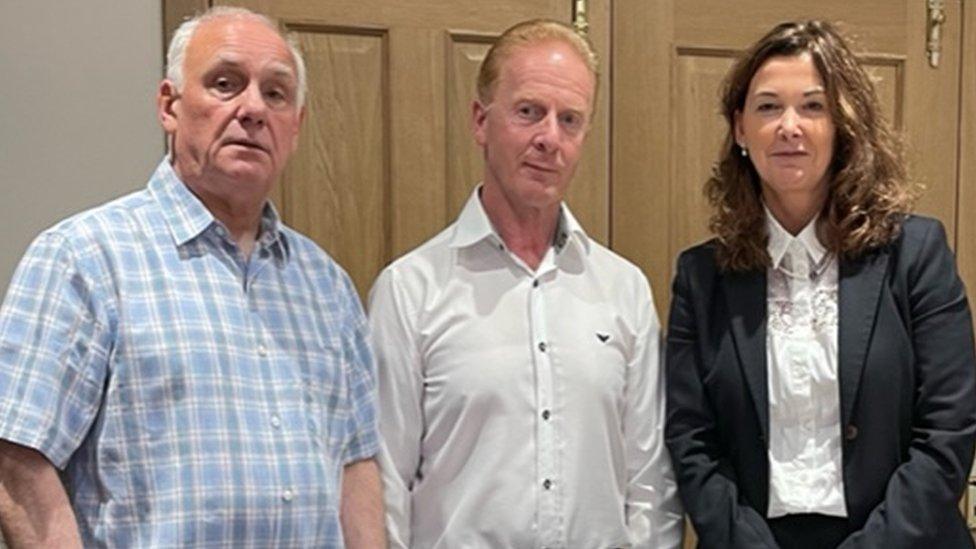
[(521, 395)]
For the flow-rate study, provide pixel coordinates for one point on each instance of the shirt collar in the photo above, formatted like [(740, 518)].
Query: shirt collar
[(187, 217), (473, 226), (780, 240)]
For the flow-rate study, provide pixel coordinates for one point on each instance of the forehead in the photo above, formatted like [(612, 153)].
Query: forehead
[(553, 69), (794, 71), (237, 39)]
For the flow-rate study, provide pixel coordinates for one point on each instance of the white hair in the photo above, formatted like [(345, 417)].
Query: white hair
[(176, 55)]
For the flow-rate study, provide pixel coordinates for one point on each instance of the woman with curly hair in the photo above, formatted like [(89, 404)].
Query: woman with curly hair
[(820, 368)]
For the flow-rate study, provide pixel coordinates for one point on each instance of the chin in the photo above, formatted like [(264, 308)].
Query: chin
[(543, 198)]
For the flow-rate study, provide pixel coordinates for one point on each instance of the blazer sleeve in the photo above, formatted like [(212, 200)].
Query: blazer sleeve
[(706, 480), (923, 492)]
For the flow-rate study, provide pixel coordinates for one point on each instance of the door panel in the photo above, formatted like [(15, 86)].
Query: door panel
[(332, 200)]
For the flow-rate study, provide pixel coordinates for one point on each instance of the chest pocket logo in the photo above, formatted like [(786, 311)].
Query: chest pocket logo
[(603, 337)]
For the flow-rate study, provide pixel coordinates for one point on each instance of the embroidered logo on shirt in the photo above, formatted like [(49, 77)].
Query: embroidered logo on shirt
[(603, 337)]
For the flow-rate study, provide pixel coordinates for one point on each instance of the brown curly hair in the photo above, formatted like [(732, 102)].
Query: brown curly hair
[(869, 194)]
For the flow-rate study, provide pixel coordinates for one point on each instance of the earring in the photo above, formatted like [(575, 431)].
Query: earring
[(743, 150)]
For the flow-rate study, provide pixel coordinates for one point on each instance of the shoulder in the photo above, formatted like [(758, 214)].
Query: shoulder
[(919, 230), (90, 236), (427, 264), (700, 258), (918, 237), (412, 279), (921, 251), (109, 220)]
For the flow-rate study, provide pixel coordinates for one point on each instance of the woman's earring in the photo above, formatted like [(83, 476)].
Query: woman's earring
[(743, 150)]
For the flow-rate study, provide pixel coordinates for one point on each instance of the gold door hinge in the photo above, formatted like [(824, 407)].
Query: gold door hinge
[(936, 18), (580, 21)]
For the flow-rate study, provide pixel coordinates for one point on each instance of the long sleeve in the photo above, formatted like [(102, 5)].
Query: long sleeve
[(924, 490), (400, 388), (654, 514), (706, 478)]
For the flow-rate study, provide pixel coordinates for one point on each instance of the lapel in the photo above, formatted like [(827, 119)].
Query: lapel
[(746, 297), (860, 285)]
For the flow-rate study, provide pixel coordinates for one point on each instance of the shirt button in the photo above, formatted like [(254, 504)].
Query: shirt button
[(287, 495), (535, 283), (547, 484), (545, 415), (850, 433), (542, 346), (262, 350), (275, 421)]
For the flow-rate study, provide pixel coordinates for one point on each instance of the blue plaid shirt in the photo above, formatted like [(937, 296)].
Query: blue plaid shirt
[(191, 397)]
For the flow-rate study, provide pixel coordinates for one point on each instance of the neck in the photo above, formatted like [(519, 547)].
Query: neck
[(795, 212), (240, 214), (526, 231)]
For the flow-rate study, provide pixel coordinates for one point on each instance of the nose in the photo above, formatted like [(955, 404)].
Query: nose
[(252, 109), (789, 124), (546, 137)]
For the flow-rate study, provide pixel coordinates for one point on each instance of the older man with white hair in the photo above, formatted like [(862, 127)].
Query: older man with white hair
[(177, 367)]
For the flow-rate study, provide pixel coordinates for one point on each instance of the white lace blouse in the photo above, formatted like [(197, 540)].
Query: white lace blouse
[(805, 467)]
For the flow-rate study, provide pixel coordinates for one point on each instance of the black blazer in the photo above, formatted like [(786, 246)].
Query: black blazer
[(907, 377)]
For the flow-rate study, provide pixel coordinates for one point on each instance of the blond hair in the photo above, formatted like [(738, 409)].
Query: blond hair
[(528, 33)]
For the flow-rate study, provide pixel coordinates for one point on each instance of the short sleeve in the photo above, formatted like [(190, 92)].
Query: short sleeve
[(54, 346)]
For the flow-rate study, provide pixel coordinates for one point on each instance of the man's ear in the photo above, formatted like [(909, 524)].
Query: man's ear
[(166, 96), (298, 128), (479, 114)]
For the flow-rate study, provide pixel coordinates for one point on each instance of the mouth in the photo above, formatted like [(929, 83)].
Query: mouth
[(541, 167), (247, 144), (790, 154)]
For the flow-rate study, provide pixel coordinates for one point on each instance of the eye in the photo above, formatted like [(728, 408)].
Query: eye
[(767, 106), (277, 96), (225, 84), (815, 106), (528, 112), (572, 121)]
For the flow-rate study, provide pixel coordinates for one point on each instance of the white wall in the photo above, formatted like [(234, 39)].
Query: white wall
[(77, 113)]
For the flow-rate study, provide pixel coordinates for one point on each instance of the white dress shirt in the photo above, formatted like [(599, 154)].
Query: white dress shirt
[(519, 408), (805, 462)]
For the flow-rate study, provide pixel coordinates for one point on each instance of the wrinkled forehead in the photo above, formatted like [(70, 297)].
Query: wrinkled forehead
[(238, 40), (551, 65), (546, 53)]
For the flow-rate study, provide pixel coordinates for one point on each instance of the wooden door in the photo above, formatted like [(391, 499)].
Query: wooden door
[(669, 60), (386, 158)]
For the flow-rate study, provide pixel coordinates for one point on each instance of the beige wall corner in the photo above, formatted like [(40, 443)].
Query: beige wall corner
[(77, 114)]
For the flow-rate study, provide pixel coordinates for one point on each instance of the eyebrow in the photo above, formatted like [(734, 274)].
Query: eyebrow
[(812, 91), (537, 100), (278, 68)]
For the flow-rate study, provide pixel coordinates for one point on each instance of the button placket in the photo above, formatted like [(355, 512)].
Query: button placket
[(548, 505)]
